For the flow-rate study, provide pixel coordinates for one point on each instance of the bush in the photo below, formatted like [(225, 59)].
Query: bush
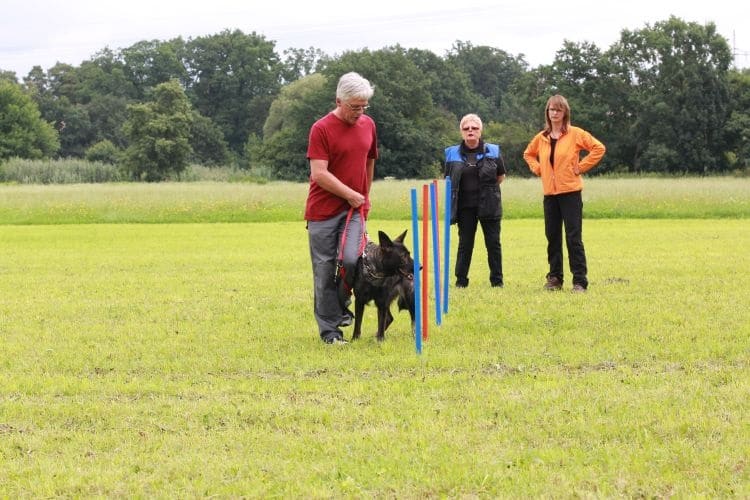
[(63, 171), (104, 152), (78, 171), (201, 173)]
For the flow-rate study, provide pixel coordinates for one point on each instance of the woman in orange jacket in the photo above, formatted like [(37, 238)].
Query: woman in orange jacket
[(554, 155)]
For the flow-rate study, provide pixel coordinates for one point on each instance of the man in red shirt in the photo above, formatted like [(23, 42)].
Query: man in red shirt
[(342, 150)]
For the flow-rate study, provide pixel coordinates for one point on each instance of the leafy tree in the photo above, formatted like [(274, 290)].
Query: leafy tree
[(524, 102), (450, 88), (159, 134), (299, 63), (150, 62), (207, 142), (677, 73), (86, 104), (59, 81), (661, 98), (104, 74), (284, 110), (282, 155), (106, 114), (492, 73), (512, 138), (23, 132), (8, 76), (285, 132), (738, 125), (55, 106), (104, 152), (232, 79), (577, 73)]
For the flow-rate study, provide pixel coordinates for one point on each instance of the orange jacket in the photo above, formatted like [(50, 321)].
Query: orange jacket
[(565, 176)]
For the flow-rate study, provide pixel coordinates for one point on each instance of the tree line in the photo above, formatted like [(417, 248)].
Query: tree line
[(664, 99)]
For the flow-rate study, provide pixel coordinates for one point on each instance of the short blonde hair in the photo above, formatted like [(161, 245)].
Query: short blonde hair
[(471, 117)]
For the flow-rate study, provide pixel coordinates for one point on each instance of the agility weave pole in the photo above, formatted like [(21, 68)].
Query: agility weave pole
[(425, 261), (436, 250), (447, 244), (417, 284), (421, 259)]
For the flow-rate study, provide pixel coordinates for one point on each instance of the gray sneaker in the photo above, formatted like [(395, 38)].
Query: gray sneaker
[(336, 340)]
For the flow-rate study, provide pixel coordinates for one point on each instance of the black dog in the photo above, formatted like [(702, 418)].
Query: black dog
[(384, 272)]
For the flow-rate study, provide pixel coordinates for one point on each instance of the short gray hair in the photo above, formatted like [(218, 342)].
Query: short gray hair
[(353, 86), (471, 117)]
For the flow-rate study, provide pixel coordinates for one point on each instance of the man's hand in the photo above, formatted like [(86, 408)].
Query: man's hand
[(355, 199)]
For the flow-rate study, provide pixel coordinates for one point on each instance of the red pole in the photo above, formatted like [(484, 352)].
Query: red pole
[(425, 262)]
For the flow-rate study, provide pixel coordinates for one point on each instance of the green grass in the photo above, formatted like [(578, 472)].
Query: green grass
[(697, 198), (182, 360)]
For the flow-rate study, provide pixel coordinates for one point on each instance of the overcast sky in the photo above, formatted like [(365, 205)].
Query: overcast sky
[(70, 31)]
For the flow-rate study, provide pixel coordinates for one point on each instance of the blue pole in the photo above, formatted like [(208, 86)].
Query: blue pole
[(435, 253), (417, 283), (447, 243)]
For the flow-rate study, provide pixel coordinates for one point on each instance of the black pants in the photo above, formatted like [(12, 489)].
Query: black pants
[(467, 229), (565, 209)]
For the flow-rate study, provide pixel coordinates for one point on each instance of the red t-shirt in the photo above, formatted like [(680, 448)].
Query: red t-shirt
[(347, 149)]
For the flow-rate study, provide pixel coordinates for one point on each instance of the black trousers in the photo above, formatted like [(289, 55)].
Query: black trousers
[(467, 229), (565, 209)]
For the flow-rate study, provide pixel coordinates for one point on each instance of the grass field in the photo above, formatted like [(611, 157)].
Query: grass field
[(605, 198), (182, 360)]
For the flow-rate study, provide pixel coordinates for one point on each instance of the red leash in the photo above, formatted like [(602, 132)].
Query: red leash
[(340, 271)]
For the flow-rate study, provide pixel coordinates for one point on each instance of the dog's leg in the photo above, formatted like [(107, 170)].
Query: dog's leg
[(359, 308), (392, 294), (406, 301), (383, 314), (410, 307), (388, 319)]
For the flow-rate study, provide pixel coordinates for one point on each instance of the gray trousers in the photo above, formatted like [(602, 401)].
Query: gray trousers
[(330, 297)]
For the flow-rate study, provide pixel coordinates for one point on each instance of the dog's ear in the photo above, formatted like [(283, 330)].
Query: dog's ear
[(385, 241), (400, 238)]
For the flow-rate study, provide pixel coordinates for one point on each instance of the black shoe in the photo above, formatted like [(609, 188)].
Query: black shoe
[(335, 340), (497, 285), (462, 283)]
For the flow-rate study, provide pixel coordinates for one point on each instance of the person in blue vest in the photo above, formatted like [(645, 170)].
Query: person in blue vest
[(476, 170)]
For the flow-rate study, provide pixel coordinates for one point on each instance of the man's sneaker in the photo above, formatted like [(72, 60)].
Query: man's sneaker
[(336, 340), (553, 283), (347, 318), (578, 288)]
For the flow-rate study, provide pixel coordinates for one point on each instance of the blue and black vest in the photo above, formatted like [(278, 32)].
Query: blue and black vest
[(489, 206)]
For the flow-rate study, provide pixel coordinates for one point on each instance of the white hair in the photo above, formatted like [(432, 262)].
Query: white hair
[(353, 86), (471, 117)]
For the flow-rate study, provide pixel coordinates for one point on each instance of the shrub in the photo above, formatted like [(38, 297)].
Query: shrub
[(63, 171), (104, 152)]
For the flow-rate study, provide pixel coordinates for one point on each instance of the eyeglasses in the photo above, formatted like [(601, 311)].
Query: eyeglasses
[(466, 129), (557, 110), (362, 108)]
